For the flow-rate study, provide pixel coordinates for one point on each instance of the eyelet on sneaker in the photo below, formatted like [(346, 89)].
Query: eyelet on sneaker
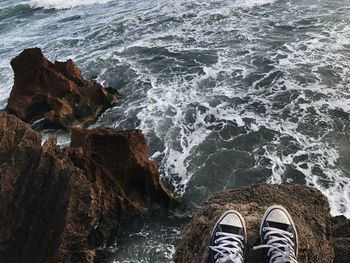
[(291, 235), (264, 229), (215, 241), (217, 234)]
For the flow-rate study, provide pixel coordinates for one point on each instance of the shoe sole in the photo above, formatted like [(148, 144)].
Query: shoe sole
[(290, 219), (240, 217)]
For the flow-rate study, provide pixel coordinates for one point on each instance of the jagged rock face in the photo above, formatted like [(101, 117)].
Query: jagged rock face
[(119, 159), (55, 91), (60, 205), (341, 237), (117, 162), (308, 207)]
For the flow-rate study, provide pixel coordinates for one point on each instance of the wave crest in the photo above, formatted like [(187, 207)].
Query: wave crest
[(252, 3), (59, 4)]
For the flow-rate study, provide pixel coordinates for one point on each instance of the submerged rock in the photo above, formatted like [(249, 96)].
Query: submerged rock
[(55, 93), (60, 205), (308, 207)]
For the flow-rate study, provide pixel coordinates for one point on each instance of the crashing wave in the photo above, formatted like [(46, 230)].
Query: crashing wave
[(252, 3), (58, 4)]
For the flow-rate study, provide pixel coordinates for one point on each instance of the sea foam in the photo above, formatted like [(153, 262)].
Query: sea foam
[(58, 4), (252, 3)]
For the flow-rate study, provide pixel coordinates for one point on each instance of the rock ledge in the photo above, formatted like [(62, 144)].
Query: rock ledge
[(308, 207)]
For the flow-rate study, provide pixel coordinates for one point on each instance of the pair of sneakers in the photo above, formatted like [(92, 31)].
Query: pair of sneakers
[(277, 232)]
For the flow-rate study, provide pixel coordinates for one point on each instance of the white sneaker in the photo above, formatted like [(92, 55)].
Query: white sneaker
[(278, 236), (229, 237)]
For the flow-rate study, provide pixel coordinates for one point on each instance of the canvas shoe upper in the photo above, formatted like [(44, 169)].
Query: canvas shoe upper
[(278, 236), (228, 240)]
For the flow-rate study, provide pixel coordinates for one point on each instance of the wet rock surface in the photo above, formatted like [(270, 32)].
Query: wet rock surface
[(55, 93), (61, 205), (308, 207)]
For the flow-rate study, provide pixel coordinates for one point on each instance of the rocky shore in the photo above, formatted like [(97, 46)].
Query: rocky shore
[(321, 238), (63, 205)]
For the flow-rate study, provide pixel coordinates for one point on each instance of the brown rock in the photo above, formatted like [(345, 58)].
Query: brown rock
[(308, 207), (55, 91), (61, 205), (341, 237), (117, 162)]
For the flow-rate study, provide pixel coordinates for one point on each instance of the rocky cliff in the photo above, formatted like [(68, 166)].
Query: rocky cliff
[(341, 239), (60, 205), (55, 93), (308, 207)]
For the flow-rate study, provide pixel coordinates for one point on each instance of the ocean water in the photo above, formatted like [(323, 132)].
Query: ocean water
[(228, 92)]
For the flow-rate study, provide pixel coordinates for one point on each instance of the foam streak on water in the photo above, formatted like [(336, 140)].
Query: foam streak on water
[(59, 4)]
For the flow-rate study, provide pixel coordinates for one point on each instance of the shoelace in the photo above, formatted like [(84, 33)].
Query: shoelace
[(280, 245), (229, 248)]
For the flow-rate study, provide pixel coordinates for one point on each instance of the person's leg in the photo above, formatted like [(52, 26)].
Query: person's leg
[(229, 237), (278, 236)]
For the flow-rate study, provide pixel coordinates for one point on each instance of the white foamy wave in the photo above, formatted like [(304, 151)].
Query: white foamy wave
[(58, 4), (5, 83), (252, 3), (187, 111), (63, 138)]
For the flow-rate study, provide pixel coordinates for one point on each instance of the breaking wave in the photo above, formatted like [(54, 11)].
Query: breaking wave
[(59, 4), (252, 3)]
